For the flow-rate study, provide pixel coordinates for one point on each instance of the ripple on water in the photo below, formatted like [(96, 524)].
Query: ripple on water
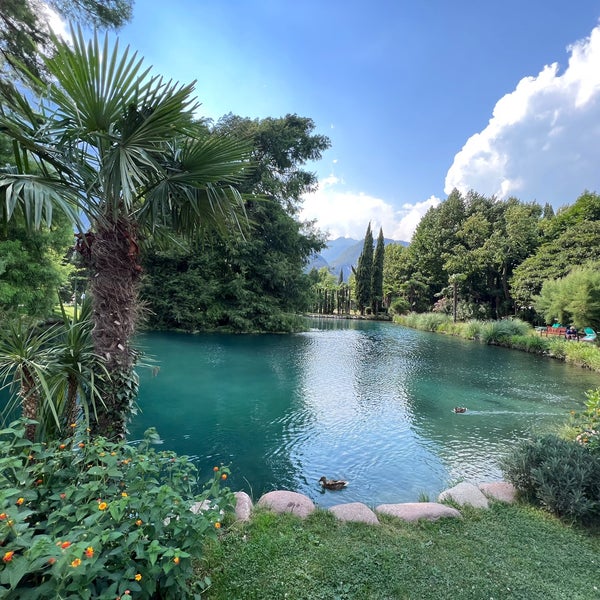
[(367, 402)]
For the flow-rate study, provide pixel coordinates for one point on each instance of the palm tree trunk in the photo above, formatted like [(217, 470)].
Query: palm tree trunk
[(29, 401), (114, 288)]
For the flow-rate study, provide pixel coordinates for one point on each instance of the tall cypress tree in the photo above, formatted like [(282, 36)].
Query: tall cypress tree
[(363, 273), (377, 274)]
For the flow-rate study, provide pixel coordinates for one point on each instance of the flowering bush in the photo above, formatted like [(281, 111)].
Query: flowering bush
[(87, 518)]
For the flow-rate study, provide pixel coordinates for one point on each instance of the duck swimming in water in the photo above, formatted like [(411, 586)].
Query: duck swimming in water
[(459, 409), (332, 484)]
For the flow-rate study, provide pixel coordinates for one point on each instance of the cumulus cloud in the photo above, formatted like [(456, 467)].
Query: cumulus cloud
[(344, 213), (55, 22), (543, 140)]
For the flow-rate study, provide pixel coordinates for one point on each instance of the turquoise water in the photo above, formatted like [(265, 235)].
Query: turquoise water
[(367, 402)]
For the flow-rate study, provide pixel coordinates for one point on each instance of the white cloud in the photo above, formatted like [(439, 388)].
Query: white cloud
[(543, 140), (344, 213), (55, 22)]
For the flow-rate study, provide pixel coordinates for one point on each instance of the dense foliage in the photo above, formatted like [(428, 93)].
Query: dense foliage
[(142, 167), (486, 258), (33, 267), (25, 33), (82, 519), (254, 282), (561, 475), (364, 274)]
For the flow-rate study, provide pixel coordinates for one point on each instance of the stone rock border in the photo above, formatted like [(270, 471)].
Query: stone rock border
[(463, 494)]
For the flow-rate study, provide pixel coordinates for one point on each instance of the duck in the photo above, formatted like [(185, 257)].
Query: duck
[(332, 484), (459, 409)]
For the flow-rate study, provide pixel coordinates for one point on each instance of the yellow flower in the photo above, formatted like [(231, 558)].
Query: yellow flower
[(176, 560), (217, 525), (124, 494), (20, 501), (73, 425), (138, 577), (102, 506), (138, 522), (76, 562)]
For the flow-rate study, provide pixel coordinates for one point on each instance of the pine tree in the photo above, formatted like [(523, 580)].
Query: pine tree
[(363, 273), (377, 274)]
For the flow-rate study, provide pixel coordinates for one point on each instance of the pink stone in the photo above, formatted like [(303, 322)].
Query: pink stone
[(499, 490), (354, 511), (282, 501), (243, 506), (413, 511), (465, 493)]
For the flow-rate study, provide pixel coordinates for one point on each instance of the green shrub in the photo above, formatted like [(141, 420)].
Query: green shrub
[(529, 343), (472, 329), (87, 518), (583, 355), (399, 306), (585, 426), (501, 331), (560, 475)]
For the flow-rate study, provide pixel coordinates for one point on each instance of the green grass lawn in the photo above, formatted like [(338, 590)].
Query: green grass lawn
[(505, 552)]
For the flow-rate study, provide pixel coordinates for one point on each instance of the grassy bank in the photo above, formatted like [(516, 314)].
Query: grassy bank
[(510, 333), (512, 552)]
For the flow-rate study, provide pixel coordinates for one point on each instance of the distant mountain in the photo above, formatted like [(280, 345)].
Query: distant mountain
[(342, 254)]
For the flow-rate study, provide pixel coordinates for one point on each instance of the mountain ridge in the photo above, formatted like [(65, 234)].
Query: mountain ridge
[(342, 254)]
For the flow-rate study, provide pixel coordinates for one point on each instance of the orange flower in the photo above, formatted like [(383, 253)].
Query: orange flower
[(2, 516), (176, 560), (81, 445), (65, 545), (217, 525), (138, 522), (63, 496), (20, 501), (89, 552), (215, 469), (51, 560), (102, 506), (8, 556), (76, 562), (224, 476), (138, 577), (62, 447)]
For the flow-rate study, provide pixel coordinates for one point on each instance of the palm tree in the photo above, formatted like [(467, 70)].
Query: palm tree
[(24, 366), (52, 371), (120, 146)]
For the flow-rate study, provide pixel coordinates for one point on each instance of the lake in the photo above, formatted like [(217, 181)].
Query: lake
[(369, 402)]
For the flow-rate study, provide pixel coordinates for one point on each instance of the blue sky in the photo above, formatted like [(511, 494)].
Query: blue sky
[(416, 97)]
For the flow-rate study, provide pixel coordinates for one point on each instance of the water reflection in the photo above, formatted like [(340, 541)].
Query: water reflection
[(367, 402)]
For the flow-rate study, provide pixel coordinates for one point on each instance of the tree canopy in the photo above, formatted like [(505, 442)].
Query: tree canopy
[(254, 282)]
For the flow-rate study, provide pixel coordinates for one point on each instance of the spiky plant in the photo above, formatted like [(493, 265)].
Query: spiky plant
[(121, 146)]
